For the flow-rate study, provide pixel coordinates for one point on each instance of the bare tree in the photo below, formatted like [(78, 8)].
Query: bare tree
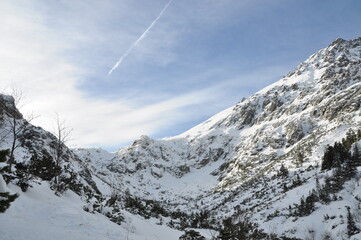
[(14, 128), (62, 134), (16, 124)]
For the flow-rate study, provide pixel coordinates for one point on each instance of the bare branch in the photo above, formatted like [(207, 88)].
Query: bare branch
[(62, 134), (15, 122)]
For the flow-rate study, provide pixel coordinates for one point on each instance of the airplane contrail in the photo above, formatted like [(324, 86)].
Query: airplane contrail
[(139, 39)]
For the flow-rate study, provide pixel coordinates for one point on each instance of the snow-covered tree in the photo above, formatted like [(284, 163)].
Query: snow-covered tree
[(5, 196), (352, 229)]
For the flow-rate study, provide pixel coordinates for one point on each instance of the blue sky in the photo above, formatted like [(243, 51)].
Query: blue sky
[(200, 57)]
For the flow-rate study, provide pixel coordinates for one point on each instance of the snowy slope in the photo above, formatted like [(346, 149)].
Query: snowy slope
[(39, 214)]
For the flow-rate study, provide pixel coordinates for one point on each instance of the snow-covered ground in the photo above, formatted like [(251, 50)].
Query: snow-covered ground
[(39, 214)]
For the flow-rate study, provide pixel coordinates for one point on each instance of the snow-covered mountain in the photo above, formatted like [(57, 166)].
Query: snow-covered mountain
[(259, 162), (312, 106)]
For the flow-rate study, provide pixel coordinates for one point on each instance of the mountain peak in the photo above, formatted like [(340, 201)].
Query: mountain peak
[(340, 42)]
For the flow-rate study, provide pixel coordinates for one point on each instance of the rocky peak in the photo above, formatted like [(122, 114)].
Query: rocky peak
[(326, 72), (7, 106)]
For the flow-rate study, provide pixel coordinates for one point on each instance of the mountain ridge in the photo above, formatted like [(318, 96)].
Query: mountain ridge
[(266, 105)]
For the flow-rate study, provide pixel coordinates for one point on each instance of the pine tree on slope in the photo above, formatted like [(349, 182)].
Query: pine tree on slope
[(5, 197)]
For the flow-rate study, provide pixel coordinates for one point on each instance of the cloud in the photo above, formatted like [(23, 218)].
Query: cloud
[(33, 58), (140, 38), (55, 51)]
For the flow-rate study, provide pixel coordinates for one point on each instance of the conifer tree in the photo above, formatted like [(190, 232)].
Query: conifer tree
[(356, 155), (5, 197), (328, 158), (335, 157), (283, 172), (300, 158), (191, 235), (324, 192), (228, 230), (352, 229), (43, 167), (351, 137)]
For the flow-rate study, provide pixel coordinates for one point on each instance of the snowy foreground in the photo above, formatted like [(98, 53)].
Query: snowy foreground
[(43, 215)]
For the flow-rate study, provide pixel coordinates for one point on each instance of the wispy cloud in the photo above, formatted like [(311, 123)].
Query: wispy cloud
[(139, 39), (58, 52), (33, 57)]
